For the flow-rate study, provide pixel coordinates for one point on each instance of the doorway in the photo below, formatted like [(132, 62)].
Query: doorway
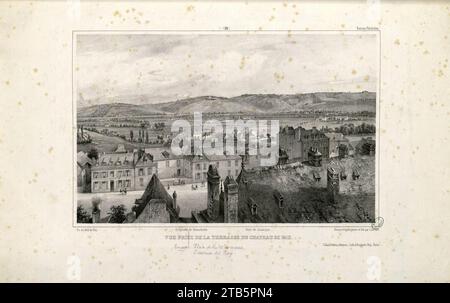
[(111, 186)]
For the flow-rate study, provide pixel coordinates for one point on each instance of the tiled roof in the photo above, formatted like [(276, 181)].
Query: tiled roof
[(155, 191), (115, 159)]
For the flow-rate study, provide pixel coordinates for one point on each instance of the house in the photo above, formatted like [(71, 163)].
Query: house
[(168, 165), (289, 141), (336, 139), (196, 167), (84, 165), (299, 141), (226, 165), (316, 139), (144, 169), (155, 205), (115, 172)]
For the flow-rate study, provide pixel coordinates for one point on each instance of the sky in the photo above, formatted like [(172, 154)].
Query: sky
[(166, 67)]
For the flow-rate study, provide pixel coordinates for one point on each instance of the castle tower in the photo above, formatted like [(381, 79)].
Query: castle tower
[(231, 201), (174, 197), (213, 192), (332, 184)]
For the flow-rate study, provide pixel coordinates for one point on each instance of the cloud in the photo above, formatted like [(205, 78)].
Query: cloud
[(168, 67)]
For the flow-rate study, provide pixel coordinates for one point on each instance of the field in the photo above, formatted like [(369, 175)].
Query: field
[(105, 143)]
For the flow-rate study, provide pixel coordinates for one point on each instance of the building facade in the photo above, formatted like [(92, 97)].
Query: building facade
[(314, 139), (168, 165), (336, 139), (289, 140), (121, 171), (196, 167)]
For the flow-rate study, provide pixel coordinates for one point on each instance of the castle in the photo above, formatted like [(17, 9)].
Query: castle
[(254, 198), (281, 194), (222, 205)]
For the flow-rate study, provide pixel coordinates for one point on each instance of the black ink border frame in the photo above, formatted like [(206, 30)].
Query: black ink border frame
[(379, 221)]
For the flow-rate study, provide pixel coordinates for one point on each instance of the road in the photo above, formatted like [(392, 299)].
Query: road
[(187, 199)]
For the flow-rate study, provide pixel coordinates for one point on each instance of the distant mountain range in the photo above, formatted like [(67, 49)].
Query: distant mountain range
[(250, 103)]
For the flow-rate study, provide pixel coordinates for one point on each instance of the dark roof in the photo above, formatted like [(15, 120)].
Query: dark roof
[(153, 205), (304, 199), (155, 191)]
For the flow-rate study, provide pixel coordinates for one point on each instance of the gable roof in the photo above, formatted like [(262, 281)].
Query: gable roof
[(83, 159), (153, 212), (155, 191)]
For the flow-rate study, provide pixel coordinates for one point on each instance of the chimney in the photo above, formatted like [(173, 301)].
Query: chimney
[(174, 196), (96, 209), (231, 201), (213, 180), (96, 215)]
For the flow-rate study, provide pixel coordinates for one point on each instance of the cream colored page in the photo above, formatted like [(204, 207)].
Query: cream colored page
[(37, 155)]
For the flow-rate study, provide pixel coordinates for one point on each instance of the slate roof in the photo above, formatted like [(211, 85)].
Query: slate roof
[(304, 199), (155, 191)]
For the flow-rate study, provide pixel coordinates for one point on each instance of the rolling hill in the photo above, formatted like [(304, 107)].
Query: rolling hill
[(250, 103)]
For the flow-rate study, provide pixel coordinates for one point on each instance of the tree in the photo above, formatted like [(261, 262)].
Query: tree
[(83, 216), (117, 214), (93, 154), (131, 135)]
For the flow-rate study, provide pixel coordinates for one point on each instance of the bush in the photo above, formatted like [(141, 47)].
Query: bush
[(83, 216), (117, 214)]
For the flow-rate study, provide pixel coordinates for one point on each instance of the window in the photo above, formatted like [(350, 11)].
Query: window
[(95, 185), (229, 163), (197, 176), (178, 163), (141, 181), (111, 174), (149, 171), (119, 174), (229, 172), (141, 172), (197, 166), (104, 185), (236, 162), (217, 164), (127, 173), (237, 172), (95, 176), (119, 183), (205, 166), (104, 174)]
